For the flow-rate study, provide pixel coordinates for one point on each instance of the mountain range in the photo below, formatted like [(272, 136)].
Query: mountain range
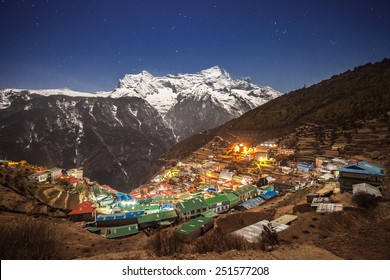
[(115, 135)]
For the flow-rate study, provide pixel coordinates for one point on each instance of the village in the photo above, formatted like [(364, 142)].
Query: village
[(221, 177)]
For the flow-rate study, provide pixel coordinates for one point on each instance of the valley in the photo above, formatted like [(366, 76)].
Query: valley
[(303, 176)]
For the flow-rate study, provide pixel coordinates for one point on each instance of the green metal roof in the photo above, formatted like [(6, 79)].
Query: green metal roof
[(192, 204), (193, 225), (267, 188), (184, 196), (95, 230), (216, 199), (155, 217), (133, 208), (164, 198), (233, 199), (245, 189), (122, 231), (145, 201), (210, 214), (152, 207)]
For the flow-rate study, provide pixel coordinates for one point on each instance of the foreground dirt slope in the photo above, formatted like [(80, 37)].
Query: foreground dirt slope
[(354, 234)]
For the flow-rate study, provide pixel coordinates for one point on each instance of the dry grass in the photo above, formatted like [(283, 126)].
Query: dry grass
[(336, 223), (382, 211), (164, 243), (219, 242), (28, 239)]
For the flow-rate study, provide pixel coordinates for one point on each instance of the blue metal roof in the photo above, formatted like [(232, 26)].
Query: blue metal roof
[(252, 203), (167, 206), (305, 165), (111, 217), (364, 167), (268, 195)]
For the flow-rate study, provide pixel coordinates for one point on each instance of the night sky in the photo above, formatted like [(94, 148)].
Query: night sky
[(88, 45)]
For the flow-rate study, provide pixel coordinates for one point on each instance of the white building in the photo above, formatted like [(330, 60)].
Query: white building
[(75, 172), (227, 175), (39, 177)]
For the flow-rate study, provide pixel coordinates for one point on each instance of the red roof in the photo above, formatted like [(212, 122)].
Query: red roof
[(73, 180), (165, 186), (166, 193), (85, 207)]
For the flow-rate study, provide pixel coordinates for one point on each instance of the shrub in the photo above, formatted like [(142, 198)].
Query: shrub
[(269, 239), (365, 200), (28, 239)]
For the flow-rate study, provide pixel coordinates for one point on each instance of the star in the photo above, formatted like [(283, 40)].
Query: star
[(331, 43)]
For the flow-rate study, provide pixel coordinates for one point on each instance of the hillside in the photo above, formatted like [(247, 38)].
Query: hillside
[(20, 195), (342, 100)]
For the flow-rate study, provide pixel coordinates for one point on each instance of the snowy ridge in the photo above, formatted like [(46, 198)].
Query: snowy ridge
[(234, 95), (49, 92), (164, 92)]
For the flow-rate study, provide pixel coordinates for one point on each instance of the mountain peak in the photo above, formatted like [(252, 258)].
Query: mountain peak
[(130, 80), (145, 73), (215, 72)]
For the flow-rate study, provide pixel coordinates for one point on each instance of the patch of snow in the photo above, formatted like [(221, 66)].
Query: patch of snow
[(122, 169), (134, 112), (114, 110), (4, 100)]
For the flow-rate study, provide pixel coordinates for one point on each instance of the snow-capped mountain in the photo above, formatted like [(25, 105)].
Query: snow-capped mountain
[(191, 103), (116, 135)]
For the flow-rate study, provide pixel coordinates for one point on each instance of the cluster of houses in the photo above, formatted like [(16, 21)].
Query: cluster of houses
[(198, 190), (51, 175), (111, 213), (55, 174)]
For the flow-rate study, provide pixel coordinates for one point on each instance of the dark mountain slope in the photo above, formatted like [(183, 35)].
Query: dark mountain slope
[(113, 139), (354, 95)]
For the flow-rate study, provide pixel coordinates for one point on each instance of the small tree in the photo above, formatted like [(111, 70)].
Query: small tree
[(268, 238)]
